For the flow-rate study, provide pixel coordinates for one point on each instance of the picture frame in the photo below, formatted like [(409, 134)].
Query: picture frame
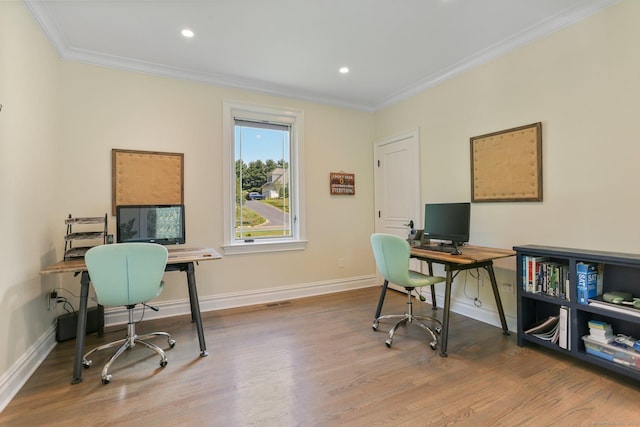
[(146, 178), (506, 166), (342, 184)]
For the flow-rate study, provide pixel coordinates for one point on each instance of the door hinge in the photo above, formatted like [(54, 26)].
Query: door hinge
[(378, 214), (378, 163)]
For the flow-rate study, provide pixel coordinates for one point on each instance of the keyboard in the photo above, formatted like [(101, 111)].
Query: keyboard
[(438, 248)]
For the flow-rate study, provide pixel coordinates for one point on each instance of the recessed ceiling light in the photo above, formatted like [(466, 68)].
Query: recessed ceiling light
[(344, 70), (187, 33)]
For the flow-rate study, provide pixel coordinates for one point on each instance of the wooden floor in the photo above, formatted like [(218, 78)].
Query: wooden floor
[(317, 362)]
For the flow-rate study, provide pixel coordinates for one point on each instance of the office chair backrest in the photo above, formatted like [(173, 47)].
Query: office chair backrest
[(126, 273), (392, 257)]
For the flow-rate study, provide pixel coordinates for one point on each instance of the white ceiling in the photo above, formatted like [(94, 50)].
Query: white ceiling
[(394, 48)]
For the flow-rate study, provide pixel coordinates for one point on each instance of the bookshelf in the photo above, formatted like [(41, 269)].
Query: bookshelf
[(619, 272)]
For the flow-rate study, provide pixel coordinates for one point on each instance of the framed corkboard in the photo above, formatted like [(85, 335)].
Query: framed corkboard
[(146, 178), (507, 165)]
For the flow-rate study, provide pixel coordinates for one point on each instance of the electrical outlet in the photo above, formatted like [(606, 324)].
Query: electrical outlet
[(340, 262), (507, 287), (52, 300)]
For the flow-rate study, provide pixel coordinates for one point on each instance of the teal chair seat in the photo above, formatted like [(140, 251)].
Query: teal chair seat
[(392, 255), (127, 274)]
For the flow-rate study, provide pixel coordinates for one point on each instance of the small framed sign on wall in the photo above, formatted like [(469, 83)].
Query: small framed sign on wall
[(342, 184)]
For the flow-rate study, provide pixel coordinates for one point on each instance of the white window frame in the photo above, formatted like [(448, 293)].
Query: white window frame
[(231, 111)]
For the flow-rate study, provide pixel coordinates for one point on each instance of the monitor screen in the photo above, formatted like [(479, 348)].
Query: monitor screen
[(447, 221), (163, 224)]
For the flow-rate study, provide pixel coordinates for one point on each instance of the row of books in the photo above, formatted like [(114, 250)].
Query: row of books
[(554, 329), (539, 275)]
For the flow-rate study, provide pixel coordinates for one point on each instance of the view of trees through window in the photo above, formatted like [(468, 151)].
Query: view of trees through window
[(262, 180)]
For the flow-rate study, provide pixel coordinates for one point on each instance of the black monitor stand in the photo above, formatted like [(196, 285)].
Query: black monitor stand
[(456, 250), (450, 248)]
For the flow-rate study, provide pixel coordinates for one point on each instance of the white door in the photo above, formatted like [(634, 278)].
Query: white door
[(397, 185)]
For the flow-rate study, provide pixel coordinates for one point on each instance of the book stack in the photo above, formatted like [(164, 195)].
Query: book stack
[(600, 332)]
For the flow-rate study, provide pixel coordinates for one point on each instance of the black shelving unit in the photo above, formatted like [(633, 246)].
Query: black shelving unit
[(84, 229), (621, 272)]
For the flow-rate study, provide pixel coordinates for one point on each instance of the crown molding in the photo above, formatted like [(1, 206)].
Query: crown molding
[(524, 37)]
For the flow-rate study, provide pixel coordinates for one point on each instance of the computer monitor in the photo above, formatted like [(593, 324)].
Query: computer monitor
[(447, 221), (163, 224)]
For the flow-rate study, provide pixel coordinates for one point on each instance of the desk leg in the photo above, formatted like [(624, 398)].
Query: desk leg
[(81, 328), (195, 308), (434, 305), (445, 314), (383, 292), (496, 294)]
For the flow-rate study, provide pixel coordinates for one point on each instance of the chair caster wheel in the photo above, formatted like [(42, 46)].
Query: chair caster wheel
[(172, 342), (438, 330), (106, 380), (86, 363), (388, 343), (163, 363), (433, 345)]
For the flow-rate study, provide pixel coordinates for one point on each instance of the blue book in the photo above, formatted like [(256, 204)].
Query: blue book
[(589, 277)]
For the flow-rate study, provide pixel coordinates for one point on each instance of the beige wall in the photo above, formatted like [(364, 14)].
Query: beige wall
[(105, 108), (30, 180), (583, 84)]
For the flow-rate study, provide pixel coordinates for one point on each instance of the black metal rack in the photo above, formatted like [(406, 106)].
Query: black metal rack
[(87, 235)]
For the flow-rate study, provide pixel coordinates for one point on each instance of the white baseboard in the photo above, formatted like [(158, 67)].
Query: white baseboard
[(12, 381)]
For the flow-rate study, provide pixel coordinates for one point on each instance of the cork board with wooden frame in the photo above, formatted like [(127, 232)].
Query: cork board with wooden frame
[(507, 165), (146, 178)]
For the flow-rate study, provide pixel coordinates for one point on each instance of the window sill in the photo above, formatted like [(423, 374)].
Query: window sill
[(263, 246)]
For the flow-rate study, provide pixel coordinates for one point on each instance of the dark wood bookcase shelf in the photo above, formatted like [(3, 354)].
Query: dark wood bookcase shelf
[(621, 273)]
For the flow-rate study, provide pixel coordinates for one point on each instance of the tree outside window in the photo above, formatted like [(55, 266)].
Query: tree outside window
[(262, 159)]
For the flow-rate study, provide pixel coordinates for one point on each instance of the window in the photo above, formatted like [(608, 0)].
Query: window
[(262, 163)]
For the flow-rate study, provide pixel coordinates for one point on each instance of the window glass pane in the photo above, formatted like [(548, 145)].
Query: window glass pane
[(262, 196)]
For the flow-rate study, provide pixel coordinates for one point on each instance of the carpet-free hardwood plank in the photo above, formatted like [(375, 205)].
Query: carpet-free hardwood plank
[(317, 362)]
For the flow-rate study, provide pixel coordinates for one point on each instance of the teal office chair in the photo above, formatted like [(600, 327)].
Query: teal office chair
[(127, 274), (392, 259)]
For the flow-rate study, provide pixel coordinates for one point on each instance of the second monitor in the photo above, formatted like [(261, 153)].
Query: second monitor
[(448, 222), (163, 224)]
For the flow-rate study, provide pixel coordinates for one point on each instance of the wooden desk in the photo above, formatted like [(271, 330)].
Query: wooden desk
[(471, 257), (179, 260)]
